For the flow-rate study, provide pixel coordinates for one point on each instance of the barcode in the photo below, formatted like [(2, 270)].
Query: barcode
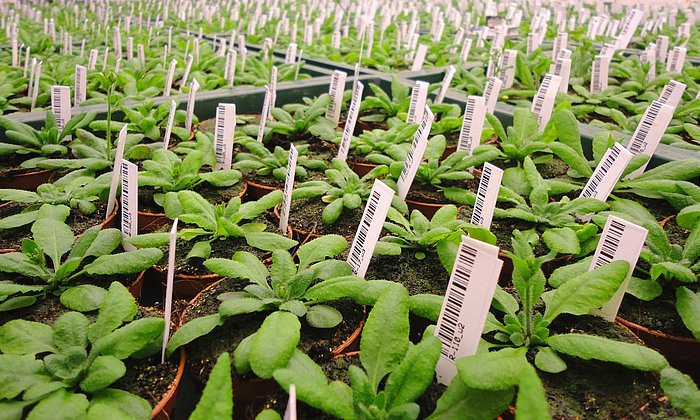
[(57, 105), (464, 135), (477, 218), (358, 249), (675, 55), (412, 108), (219, 146), (595, 78), (417, 139), (601, 171), (461, 276), (330, 113), (558, 67), (126, 214), (668, 91), (489, 89), (542, 94), (610, 243), (638, 142)]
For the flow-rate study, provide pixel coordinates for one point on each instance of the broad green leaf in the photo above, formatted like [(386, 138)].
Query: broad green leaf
[(117, 308), (323, 316), (131, 338), (562, 240), (22, 337), (319, 249), (682, 391), (425, 305), (124, 263), (411, 378), (83, 298), (274, 343), (336, 288), (532, 402), (71, 330), (232, 307), (268, 241), (60, 405), (125, 402), (216, 402), (19, 373), (671, 270), (644, 289), (549, 361), (494, 371), (103, 371), (55, 238), (688, 307), (192, 330), (462, 402)]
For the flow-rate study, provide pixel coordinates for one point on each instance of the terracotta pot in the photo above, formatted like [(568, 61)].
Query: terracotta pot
[(448, 151), (27, 181), (111, 220), (361, 169), (164, 409), (428, 209), (255, 190), (136, 287), (301, 234)]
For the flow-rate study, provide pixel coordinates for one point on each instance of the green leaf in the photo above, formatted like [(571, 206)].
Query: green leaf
[(83, 298), (644, 289), (323, 316), (54, 238), (274, 343), (192, 330), (103, 371), (562, 240), (549, 361), (671, 270), (688, 216), (60, 405), (232, 307), (121, 401), (71, 330), (319, 249), (131, 338), (589, 347), (268, 414), (462, 402), (26, 338), (336, 288), (425, 305), (243, 265), (411, 378), (385, 335), (332, 211), (124, 263), (494, 371), (118, 307), (268, 241), (682, 391), (532, 402), (688, 307), (588, 291), (216, 402), (19, 373)]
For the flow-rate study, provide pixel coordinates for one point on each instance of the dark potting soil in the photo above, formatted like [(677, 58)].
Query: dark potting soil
[(427, 193), (306, 214), (593, 389), (503, 229), (209, 192), (659, 314), (418, 276), (315, 342), (9, 165)]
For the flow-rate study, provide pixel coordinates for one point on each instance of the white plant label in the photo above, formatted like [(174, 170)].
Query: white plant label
[(186, 75), (169, 124), (419, 58), (649, 131), (467, 301), (676, 60), (350, 122), (415, 154), (620, 241), (486, 195), (562, 68), (491, 92), (288, 187), (264, 114), (60, 106), (607, 173), (169, 288), (291, 55), (141, 54), (273, 87), (169, 78), (80, 84), (630, 25), (27, 53), (223, 135), (35, 86), (543, 103), (118, 156), (472, 124), (230, 73), (506, 67), (291, 412), (15, 53), (672, 93), (599, 75), (419, 96), (336, 90), (466, 47), (446, 81), (370, 227), (662, 48), (560, 43), (130, 48), (191, 98), (130, 202)]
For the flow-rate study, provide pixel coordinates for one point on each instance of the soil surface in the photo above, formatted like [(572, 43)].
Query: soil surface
[(306, 214), (418, 276), (659, 314), (209, 192), (427, 193)]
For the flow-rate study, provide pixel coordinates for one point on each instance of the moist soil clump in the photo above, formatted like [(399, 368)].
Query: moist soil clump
[(418, 276), (427, 193), (306, 214)]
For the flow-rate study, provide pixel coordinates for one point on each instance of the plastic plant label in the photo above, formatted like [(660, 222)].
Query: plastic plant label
[(560, 43), (370, 227), (191, 98), (607, 173), (60, 106), (15, 52), (649, 56), (118, 156), (141, 54), (223, 135), (649, 131), (92, 59), (169, 124), (467, 301), (543, 103), (632, 21), (446, 81), (419, 58), (264, 114), (336, 92), (288, 187), (80, 85), (466, 47), (419, 96), (620, 240), (169, 78), (472, 124), (486, 195), (672, 93), (104, 59), (599, 75), (117, 65), (662, 48), (273, 87), (130, 201), (290, 56), (27, 53), (676, 60), (562, 68), (506, 67), (186, 74), (491, 92), (353, 112), (130, 48), (35, 86), (415, 154), (291, 412), (296, 71), (230, 72), (167, 311)]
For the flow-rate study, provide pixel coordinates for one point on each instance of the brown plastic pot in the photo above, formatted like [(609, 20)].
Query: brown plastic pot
[(255, 190), (428, 209), (136, 287), (27, 181), (164, 409), (361, 169), (111, 220)]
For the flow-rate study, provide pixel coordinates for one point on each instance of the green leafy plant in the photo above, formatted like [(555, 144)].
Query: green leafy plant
[(149, 120), (297, 121), (265, 163), (68, 368), (373, 144), (381, 107)]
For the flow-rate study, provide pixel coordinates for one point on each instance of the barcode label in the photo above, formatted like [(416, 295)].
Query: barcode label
[(531, 45), (446, 81), (620, 241), (60, 106), (415, 154), (104, 60), (631, 23), (649, 131), (491, 93), (35, 86), (607, 173), (80, 84), (130, 199), (290, 413), (336, 92), (662, 48), (288, 187), (169, 124), (117, 41), (230, 71), (370, 227), (562, 68), (560, 43), (273, 87), (169, 78), (350, 122), (191, 97), (649, 56), (15, 53), (264, 114), (466, 47), (118, 155), (419, 96), (186, 75), (117, 65), (486, 195), (296, 72), (130, 48), (335, 39), (419, 58), (472, 124), (169, 288), (27, 53), (672, 93), (223, 135), (291, 55), (506, 67), (676, 60), (141, 54), (599, 74), (467, 301), (543, 103)]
